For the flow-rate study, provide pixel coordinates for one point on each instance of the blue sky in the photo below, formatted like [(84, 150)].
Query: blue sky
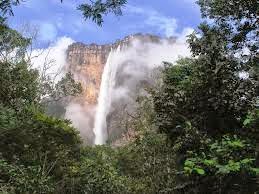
[(54, 20)]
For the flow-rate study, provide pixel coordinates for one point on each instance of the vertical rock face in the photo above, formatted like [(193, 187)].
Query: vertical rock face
[(87, 62)]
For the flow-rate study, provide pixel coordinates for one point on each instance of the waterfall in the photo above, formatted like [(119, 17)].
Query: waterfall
[(105, 98)]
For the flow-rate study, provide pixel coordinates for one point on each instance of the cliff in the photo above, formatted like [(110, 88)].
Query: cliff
[(87, 62)]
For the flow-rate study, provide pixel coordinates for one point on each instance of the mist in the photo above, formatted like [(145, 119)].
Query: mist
[(51, 60), (135, 62)]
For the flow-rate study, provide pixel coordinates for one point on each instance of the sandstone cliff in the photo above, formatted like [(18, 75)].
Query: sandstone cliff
[(86, 62)]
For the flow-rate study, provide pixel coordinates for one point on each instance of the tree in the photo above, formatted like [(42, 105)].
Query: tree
[(240, 17), (20, 83), (225, 164), (94, 11), (205, 91), (97, 9), (149, 160), (203, 103), (12, 44), (6, 6), (34, 146)]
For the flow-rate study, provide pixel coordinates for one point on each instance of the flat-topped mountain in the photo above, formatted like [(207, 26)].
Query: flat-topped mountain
[(87, 61)]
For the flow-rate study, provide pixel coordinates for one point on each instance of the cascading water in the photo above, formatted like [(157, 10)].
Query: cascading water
[(105, 98)]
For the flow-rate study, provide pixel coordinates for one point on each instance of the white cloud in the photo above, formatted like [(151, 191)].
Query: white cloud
[(168, 26), (165, 24), (55, 54)]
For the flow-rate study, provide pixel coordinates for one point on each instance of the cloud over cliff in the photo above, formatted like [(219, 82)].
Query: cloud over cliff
[(134, 64)]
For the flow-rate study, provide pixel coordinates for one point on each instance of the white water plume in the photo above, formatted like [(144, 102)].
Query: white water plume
[(105, 98)]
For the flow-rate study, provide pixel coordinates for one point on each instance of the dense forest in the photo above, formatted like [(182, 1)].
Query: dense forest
[(197, 130)]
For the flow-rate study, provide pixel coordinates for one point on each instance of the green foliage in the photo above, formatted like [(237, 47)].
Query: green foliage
[(56, 108), (67, 86), (36, 133), (6, 6), (33, 142), (252, 118), (146, 165), (99, 177), (12, 43), (21, 179), (240, 20), (19, 85), (94, 10), (251, 125), (36, 150), (149, 159), (203, 98), (222, 157), (98, 172), (226, 163), (207, 93), (238, 16), (98, 8)]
